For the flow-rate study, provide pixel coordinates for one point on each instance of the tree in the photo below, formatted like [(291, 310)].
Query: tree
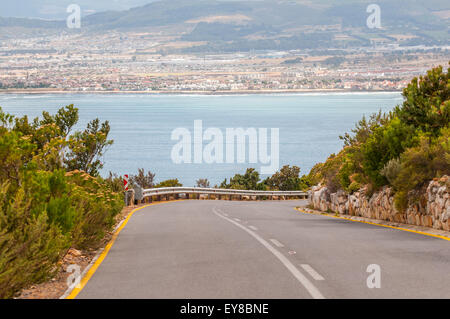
[(65, 119), (364, 128), (203, 182), (87, 147), (53, 145), (286, 179), (143, 180), (169, 183), (427, 101), (248, 181), (224, 184)]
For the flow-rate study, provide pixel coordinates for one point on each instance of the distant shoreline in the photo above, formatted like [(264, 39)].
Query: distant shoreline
[(237, 92)]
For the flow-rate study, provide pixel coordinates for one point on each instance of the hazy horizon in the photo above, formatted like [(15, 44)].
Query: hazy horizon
[(56, 9)]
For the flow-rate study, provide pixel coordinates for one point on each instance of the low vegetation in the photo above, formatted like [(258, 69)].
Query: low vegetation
[(203, 182), (404, 149), (144, 180), (286, 179), (51, 195)]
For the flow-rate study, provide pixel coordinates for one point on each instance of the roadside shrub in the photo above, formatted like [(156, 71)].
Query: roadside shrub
[(391, 170), (353, 187), (203, 182), (44, 209), (114, 182), (405, 148), (385, 143), (143, 180), (286, 179), (249, 181), (169, 183), (427, 102), (330, 171), (30, 246), (420, 164), (96, 206), (401, 200)]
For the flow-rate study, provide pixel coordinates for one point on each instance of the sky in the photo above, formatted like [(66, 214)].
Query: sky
[(56, 9)]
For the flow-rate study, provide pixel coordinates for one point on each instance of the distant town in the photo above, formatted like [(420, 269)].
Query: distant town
[(133, 62)]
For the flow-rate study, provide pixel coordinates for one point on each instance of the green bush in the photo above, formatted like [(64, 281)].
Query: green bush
[(391, 170), (404, 149), (420, 164), (353, 187), (287, 179), (427, 102), (169, 183), (385, 143), (44, 209), (114, 182), (29, 245), (249, 181)]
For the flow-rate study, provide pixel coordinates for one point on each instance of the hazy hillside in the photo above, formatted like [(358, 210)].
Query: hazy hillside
[(269, 24), (278, 13)]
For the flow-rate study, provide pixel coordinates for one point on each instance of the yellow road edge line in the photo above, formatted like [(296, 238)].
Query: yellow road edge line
[(375, 224), (105, 251)]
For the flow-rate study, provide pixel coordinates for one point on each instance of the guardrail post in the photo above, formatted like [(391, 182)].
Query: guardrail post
[(138, 194), (129, 197)]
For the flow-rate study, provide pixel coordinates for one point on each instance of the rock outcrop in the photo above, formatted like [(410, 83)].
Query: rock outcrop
[(432, 211)]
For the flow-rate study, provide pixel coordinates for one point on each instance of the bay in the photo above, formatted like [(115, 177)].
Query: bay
[(142, 124)]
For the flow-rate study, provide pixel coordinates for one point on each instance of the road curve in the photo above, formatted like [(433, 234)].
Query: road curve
[(223, 249)]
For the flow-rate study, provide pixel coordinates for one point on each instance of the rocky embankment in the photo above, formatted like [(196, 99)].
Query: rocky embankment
[(431, 209)]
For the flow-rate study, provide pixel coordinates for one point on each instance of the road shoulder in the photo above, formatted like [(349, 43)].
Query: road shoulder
[(426, 231)]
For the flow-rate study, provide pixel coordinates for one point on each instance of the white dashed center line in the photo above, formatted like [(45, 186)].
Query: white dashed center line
[(309, 286), (312, 272), (277, 243)]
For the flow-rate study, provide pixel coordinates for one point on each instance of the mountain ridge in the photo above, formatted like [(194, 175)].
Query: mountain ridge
[(265, 24)]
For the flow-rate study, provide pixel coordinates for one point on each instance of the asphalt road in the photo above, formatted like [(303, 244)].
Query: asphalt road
[(223, 249)]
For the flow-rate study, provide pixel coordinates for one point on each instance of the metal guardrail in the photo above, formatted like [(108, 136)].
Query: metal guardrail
[(216, 191)]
